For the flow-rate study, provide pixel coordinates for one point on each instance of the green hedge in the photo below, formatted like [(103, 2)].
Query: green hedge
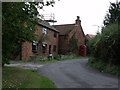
[(103, 67), (106, 45)]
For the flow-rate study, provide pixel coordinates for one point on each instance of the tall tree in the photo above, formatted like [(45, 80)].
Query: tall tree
[(18, 21), (113, 14)]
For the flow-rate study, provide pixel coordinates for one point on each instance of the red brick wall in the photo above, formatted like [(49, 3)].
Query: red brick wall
[(79, 35), (26, 50), (64, 44), (50, 40)]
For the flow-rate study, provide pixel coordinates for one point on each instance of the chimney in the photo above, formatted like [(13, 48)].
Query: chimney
[(78, 21)]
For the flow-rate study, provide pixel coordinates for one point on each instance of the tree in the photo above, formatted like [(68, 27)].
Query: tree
[(105, 47), (18, 23), (113, 14)]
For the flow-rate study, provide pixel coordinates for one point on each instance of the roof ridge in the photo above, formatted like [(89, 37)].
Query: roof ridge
[(46, 24), (63, 24)]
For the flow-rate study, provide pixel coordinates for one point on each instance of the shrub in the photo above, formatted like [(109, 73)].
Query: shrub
[(105, 46), (103, 67)]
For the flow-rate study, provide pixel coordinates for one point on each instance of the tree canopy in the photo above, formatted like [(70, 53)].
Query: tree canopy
[(113, 14), (105, 47), (18, 24)]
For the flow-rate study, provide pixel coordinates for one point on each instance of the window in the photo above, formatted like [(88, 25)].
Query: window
[(55, 34), (44, 31), (54, 48), (44, 47), (35, 46)]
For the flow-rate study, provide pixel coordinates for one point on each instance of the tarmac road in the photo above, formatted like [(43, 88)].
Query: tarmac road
[(76, 74)]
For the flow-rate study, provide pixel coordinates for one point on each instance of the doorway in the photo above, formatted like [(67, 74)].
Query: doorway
[(49, 49)]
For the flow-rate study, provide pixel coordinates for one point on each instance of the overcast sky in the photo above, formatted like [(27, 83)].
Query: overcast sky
[(91, 13)]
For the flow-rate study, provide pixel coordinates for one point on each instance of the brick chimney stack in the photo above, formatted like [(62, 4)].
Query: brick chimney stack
[(78, 21)]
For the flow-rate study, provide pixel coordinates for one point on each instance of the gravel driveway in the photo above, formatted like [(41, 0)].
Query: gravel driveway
[(32, 66)]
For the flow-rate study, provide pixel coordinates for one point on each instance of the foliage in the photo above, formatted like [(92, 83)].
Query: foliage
[(103, 67), (113, 14), (106, 46), (20, 78), (18, 23), (73, 44), (91, 45)]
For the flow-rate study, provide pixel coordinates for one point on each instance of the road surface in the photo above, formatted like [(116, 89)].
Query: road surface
[(76, 74)]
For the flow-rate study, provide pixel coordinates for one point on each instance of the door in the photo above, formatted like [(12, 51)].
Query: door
[(49, 49)]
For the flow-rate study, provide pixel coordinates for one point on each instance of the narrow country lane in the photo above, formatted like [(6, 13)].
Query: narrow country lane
[(76, 74)]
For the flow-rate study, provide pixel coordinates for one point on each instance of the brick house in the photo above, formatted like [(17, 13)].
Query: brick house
[(45, 44), (71, 37), (57, 39)]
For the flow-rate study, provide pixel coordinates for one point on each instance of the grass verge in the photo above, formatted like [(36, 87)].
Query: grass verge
[(103, 67), (20, 78)]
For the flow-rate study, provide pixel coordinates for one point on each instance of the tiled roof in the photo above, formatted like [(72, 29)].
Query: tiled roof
[(47, 25), (90, 36), (65, 28)]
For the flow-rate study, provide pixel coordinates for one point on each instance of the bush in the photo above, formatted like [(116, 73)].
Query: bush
[(103, 67), (5, 61), (105, 46)]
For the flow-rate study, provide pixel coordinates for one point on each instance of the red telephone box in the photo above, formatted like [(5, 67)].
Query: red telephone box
[(82, 50)]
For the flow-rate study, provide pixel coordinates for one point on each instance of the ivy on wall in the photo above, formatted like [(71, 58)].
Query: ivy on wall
[(73, 44)]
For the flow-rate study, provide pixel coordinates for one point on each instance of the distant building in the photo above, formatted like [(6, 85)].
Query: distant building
[(90, 36), (71, 36)]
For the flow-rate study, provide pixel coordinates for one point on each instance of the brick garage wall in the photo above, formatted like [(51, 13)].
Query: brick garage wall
[(26, 50)]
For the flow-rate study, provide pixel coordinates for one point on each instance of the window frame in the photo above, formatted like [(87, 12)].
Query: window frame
[(34, 46), (44, 30), (55, 34)]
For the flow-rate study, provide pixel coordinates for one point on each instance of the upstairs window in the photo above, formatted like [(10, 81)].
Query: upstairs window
[(44, 31), (55, 34)]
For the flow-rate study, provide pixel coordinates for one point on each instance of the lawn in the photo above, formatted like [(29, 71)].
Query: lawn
[(13, 77)]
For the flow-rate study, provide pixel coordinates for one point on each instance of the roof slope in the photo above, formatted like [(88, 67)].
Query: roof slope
[(90, 36), (47, 25), (65, 28)]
